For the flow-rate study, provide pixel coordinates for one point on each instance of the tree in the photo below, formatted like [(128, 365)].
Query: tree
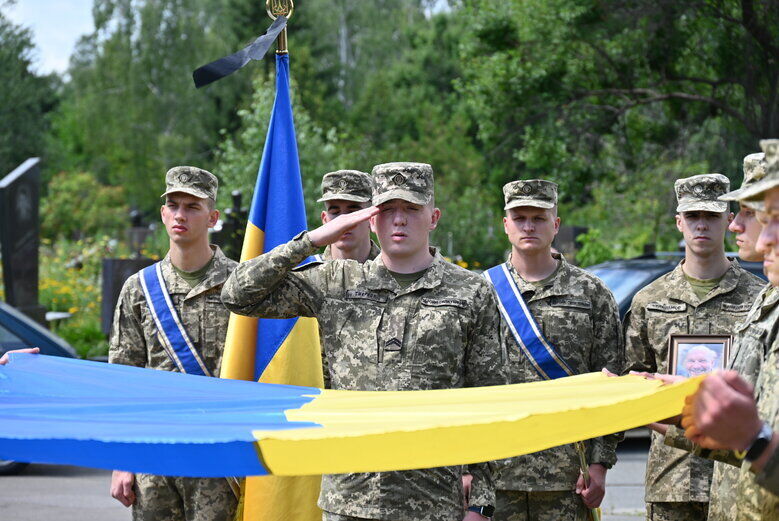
[(25, 98), (131, 110)]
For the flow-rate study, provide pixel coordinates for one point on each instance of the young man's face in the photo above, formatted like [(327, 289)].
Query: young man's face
[(768, 242), (747, 229), (704, 232), (358, 235), (403, 228), (187, 218), (531, 229)]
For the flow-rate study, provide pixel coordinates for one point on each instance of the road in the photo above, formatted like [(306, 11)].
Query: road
[(51, 492)]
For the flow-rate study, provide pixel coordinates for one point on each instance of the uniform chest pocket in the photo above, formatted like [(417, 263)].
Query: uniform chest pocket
[(355, 320), (441, 334), (567, 324)]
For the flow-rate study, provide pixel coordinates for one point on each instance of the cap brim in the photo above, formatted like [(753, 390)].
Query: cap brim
[(535, 203), (703, 206), (404, 195), (331, 196), (190, 191), (756, 190), (735, 195)]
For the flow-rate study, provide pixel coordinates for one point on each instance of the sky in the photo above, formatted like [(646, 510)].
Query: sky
[(56, 26)]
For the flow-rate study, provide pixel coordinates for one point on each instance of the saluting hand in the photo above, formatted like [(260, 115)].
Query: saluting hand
[(331, 231)]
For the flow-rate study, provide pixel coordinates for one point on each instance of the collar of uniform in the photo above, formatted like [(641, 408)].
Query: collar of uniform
[(679, 288), (767, 300), (553, 287), (380, 277), (218, 274)]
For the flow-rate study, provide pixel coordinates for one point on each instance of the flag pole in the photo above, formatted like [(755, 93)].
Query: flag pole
[(276, 8)]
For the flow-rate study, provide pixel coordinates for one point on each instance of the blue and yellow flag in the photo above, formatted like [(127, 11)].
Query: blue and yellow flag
[(77, 412), (271, 350)]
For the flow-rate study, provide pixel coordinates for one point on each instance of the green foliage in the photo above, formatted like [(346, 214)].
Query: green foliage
[(77, 205), (25, 98), (131, 110), (70, 275), (239, 156)]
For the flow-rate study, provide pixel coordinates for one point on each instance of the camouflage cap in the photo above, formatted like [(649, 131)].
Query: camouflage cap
[(530, 192), (348, 185), (754, 171), (412, 182), (700, 193), (770, 180), (191, 180)]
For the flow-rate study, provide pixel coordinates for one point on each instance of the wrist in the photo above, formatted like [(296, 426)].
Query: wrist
[(754, 433), (486, 511), (760, 443)]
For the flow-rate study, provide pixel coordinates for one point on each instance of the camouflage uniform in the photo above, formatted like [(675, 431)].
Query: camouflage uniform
[(578, 315), (678, 483), (134, 341), (375, 251), (440, 332), (750, 345)]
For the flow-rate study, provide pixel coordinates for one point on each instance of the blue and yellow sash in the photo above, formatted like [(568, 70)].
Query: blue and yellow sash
[(174, 338), (526, 332)]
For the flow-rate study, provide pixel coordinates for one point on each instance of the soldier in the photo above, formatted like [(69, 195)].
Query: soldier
[(725, 413), (343, 192), (182, 288), (752, 337), (705, 294), (406, 320), (575, 314)]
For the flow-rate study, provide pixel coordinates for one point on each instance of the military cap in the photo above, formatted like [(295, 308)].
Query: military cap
[(530, 192), (191, 180), (701, 193), (754, 171), (348, 185), (771, 178), (412, 182)]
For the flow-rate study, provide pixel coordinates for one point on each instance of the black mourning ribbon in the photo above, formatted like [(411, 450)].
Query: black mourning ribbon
[(256, 50)]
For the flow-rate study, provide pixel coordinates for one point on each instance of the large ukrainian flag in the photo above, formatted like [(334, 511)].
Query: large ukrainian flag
[(267, 350)]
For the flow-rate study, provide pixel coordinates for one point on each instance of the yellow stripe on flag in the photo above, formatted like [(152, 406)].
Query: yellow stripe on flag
[(239, 357), (378, 431)]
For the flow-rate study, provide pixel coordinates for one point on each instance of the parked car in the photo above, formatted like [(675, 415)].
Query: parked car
[(18, 331), (626, 277)]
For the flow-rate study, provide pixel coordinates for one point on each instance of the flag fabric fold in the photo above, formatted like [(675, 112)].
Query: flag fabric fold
[(67, 411), (271, 350)]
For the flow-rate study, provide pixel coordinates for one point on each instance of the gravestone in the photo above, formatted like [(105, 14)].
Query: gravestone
[(19, 238), (115, 272)]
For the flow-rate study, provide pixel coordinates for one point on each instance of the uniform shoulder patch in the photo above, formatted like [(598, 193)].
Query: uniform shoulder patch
[(736, 308), (445, 302), (362, 294), (667, 307)]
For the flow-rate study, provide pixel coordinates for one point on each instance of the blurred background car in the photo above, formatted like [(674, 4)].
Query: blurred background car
[(18, 331)]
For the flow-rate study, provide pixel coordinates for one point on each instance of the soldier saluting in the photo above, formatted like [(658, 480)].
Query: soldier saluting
[(407, 320)]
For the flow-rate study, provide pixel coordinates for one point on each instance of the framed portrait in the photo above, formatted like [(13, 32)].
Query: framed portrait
[(694, 355)]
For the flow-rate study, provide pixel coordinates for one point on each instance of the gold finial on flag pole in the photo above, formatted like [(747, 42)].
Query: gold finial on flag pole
[(276, 8)]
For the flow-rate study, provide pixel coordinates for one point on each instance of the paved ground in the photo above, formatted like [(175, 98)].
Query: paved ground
[(50, 492)]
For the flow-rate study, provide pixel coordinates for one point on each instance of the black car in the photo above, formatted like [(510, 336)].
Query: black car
[(18, 331), (626, 277)]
